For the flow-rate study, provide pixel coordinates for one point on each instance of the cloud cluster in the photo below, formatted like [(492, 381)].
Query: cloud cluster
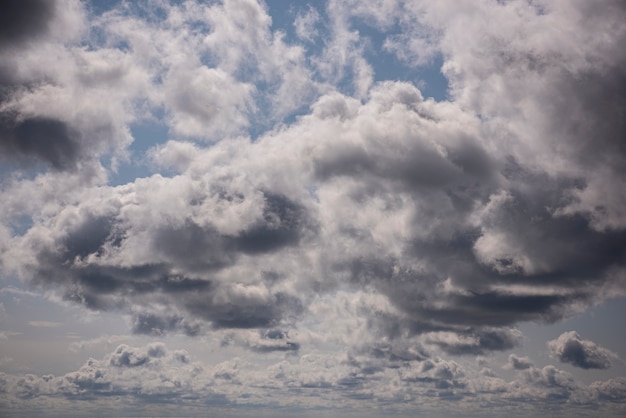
[(297, 201), (62, 104), (139, 376), (570, 348)]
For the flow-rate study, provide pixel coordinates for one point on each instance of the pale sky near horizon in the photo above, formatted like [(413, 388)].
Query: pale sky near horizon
[(313, 208)]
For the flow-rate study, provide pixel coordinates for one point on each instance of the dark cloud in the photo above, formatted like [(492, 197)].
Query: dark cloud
[(459, 219), (196, 247), (561, 249), (202, 248), (50, 140), (181, 273), (477, 342), (265, 341), (519, 363), (572, 349), (244, 309), (88, 237), (464, 277), (125, 356), (283, 224), (22, 20), (370, 359), (406, 159), (157, 324)]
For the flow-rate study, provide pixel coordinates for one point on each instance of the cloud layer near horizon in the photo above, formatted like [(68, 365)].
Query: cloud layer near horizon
[(140, 376), (296, 191)]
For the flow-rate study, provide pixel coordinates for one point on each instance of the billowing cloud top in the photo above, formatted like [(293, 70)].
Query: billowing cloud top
[(298, 189)]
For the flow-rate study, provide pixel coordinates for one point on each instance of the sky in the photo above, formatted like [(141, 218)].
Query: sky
[(341, 208)]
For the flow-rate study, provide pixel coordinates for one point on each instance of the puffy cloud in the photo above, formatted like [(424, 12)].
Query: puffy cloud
[(304, 204), (26, 130), (396, 194), (146, 372), (182, 263), (519, 363), (613, 389), (45, 138), (153, 373), (570, 348)]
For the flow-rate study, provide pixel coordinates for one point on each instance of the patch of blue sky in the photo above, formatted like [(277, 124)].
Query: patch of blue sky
[(15, 170), (283, 15), (98, 7), (19, 225), (147, 133), (387, 66)]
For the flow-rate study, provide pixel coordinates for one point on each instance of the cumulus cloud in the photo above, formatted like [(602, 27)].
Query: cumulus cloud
[(60, 103), (295, 201), (571, 348), (172, 380), (390, 192), (29, 134), (519, 363)]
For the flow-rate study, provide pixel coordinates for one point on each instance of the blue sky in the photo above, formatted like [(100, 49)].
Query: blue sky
[(337, 208)]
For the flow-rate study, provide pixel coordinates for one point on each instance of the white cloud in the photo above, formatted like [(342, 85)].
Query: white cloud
[(299, 210), (306, 22)]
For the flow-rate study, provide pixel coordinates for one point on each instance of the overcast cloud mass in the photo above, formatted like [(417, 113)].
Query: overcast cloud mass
[(354, 206)]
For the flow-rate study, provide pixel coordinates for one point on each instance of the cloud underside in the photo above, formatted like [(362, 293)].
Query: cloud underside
[(298, 192), (570, 348), (138, 376)]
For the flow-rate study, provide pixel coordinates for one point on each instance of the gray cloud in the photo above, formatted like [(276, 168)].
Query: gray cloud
[(475, 343), (25, 136), (182, 270), (386, 224), (157, 324), (458, 246), (24, 20), (263, 341), (571, 348), (519, 363), (613, 390), (175, 382), (47, 139)]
